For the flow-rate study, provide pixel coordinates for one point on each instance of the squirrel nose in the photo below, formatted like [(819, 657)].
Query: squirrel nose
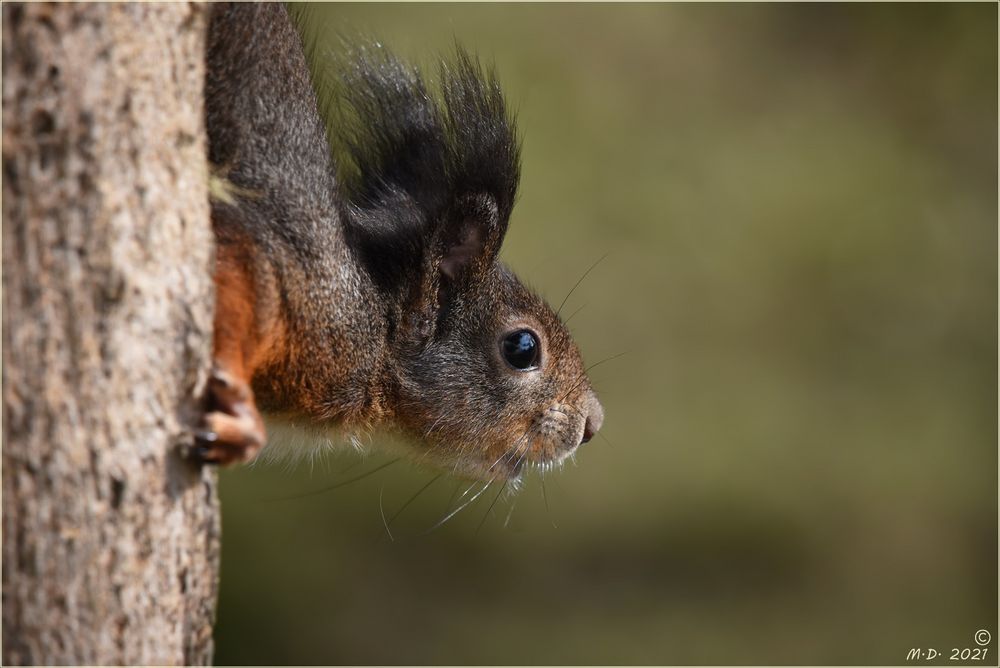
[(595, 418)]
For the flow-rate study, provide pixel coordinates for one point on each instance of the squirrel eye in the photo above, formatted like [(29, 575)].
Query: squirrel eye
[(521, 349)]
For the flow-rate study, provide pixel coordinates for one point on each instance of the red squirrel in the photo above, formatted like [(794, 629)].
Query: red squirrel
[(365, 292)]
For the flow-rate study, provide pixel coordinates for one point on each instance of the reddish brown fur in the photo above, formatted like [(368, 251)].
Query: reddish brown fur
[(249, 333), (246, 336)]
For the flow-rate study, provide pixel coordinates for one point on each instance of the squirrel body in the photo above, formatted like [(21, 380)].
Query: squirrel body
[(366, 292)]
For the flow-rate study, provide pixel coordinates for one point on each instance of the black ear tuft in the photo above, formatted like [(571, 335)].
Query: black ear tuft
[(485, 155), (425, 174)]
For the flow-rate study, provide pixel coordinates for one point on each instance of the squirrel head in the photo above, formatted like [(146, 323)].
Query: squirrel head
[(480, 371), (487, 377)]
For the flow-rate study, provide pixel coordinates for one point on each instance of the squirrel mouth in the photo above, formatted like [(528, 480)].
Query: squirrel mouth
[(543, 457), (540, 448)]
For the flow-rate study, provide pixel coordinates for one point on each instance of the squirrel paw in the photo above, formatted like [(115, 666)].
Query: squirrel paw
[(232, 430)]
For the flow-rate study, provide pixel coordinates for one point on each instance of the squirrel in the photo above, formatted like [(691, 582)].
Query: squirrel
[(365, 291)]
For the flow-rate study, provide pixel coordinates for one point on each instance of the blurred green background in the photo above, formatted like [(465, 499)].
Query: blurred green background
[(799, 203)]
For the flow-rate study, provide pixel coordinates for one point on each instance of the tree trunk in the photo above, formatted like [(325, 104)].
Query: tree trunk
[(110, 538)]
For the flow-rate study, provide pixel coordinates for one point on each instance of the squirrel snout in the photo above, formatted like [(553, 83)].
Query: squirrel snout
[(595, 418)]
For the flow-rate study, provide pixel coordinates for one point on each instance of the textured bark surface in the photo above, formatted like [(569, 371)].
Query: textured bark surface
[(110, 538)]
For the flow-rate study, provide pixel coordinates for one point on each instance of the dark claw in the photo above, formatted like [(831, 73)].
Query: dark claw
[(201, 452), (207, 436)]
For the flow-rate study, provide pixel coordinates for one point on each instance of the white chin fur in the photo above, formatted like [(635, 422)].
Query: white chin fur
[(292, 442)]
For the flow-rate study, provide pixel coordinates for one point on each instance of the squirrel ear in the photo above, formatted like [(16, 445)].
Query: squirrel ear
[(462, 254), (470, 238)]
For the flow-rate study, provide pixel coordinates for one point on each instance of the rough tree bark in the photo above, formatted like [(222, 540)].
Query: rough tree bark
[(110, 538)]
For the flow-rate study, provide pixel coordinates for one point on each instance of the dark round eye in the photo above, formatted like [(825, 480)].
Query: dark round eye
[(521, 349)]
